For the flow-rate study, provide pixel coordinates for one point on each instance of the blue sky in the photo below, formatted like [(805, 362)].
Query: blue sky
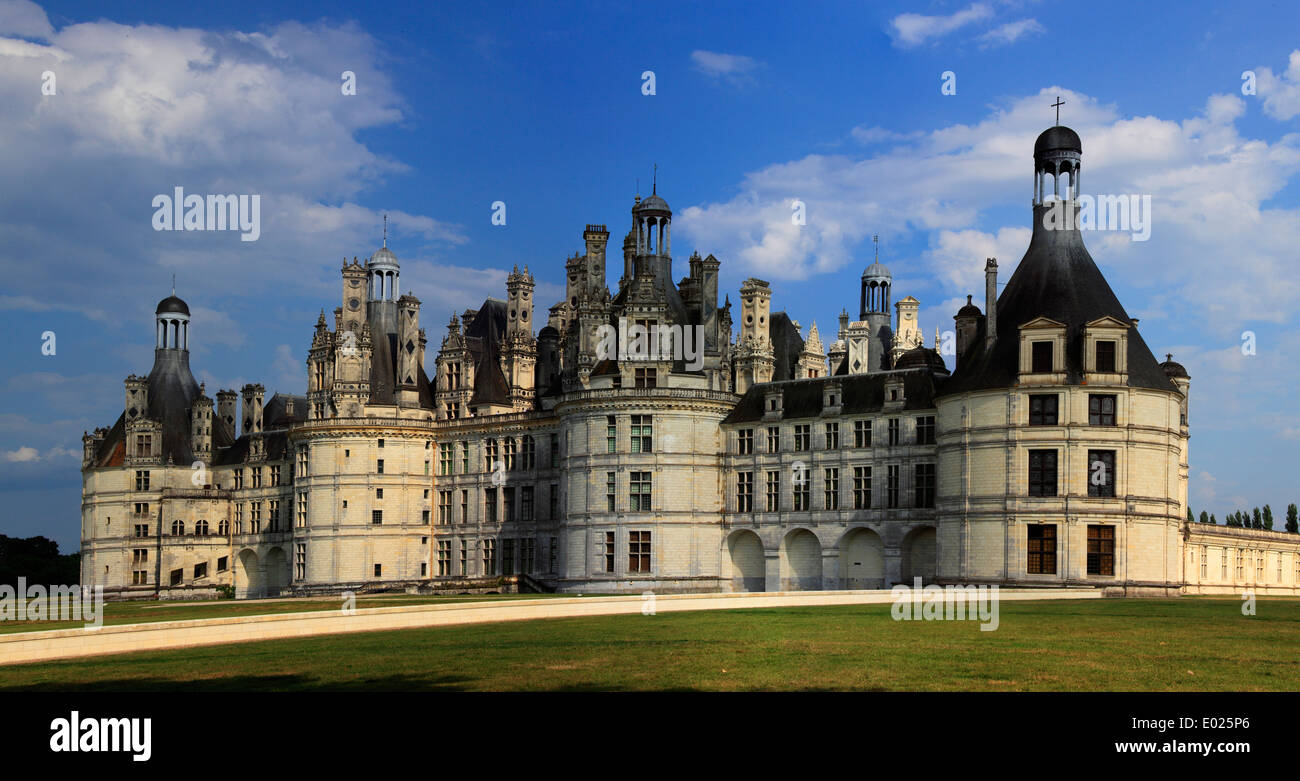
[(541, 106)]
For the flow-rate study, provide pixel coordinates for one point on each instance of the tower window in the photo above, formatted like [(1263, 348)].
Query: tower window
[(1042, 549), (1101, 409), (1042, 473), (1043, 409)]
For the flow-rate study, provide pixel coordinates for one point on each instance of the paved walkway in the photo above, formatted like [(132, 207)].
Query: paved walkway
[(19, 647)]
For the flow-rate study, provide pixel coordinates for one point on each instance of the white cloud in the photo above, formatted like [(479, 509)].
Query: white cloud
[(24, 18), (915, 29), (1281, 93), (733, 68), (1010, 33), (22, 455)]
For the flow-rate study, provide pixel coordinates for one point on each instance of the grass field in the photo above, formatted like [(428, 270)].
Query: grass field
[(144, 612), (1113, 644)]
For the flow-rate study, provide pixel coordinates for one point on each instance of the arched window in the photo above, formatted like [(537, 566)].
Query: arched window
[(178, 527), (223, 527), (201, 527)]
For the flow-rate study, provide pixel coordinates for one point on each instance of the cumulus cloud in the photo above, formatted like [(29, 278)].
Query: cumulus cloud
[(25, 19), (1280, 92), (915, 29)]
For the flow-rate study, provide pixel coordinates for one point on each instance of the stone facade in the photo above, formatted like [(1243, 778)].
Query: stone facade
[(1054, 453)]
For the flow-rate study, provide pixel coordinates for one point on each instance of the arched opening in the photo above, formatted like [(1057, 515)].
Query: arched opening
[(748, 563), (920, 555), (276, 573), (862, 560), (801, 561), (249, 583)]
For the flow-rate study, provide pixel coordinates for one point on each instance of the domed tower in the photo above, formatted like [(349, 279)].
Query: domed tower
[(384, 275), (870, 337), (652, 229), (171, 387), (1040, 406)]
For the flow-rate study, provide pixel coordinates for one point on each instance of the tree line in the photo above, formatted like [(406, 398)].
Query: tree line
[(1254, 519)]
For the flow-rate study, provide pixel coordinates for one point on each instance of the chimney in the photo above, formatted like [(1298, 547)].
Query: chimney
[(990, 302)]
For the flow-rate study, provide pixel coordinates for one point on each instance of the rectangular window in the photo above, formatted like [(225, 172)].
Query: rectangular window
[(464, 457), (526, 504), (862, 433), (802, 492), (861, 487), (609, 551), (774, 439), (490, 455), (200, 570), (508, 557), (924, 476), (744, 492), (1101, 473), (646, 378), (642, 434), (379, 570), (376, 517), (490, 505), (773, 491), (611, 499), (464, 558), (1223, 564), (302, 509), (379, 466), (803, 437), (1042, 409), (142, 481), (177, 575), (1106, 356), (1042, 549), (832, 436), (511, 464), (489, 557), (142, 530), (640, 492), (444, 507), (831, 488), (140, 556), (223, 563), (527, 556), (239, 479), (1042, 473), (1041, 357), (555, 501), (508, 499), (446, 458), (895, 436), (891, 487), (275, 474), (638, 552), (140, 578), (745, 441), (555, 451), (1101, 409), (554, 551), (1101, 551), (925, 430), (611, 434), (257, 476)]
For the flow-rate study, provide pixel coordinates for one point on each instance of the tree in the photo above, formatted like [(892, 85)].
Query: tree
[(1214, 520), (1268, 517), (1234, 519), (1292, 524), (1205, 518), (1257, 521), (1190, 517)]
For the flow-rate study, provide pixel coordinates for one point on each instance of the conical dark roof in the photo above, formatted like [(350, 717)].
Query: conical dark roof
[(1057, 279)]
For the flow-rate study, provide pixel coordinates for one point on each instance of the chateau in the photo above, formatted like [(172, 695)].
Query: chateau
[(1055, 451)]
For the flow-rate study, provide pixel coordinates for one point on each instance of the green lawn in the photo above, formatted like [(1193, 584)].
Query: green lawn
[(143, 612), (1114, 644)]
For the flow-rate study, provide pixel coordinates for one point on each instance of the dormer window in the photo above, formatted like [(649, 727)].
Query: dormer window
[(1041, 361), (1105, 356)]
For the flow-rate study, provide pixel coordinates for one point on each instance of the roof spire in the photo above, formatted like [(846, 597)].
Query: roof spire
[(1058, 105), (385, 231), (654, 186), (876, 239), (173, 284)]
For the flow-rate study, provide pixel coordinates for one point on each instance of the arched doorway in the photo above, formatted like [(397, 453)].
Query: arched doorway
[(748, 563), (862, 560), (276, 570), (249, 583), (801, 561), (920, 555)]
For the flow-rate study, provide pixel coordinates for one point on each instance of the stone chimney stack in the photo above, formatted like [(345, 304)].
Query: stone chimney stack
[(990, 302)]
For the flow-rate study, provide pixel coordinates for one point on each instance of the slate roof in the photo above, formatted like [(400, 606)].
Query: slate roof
[(1058, 279), (860, 393)]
